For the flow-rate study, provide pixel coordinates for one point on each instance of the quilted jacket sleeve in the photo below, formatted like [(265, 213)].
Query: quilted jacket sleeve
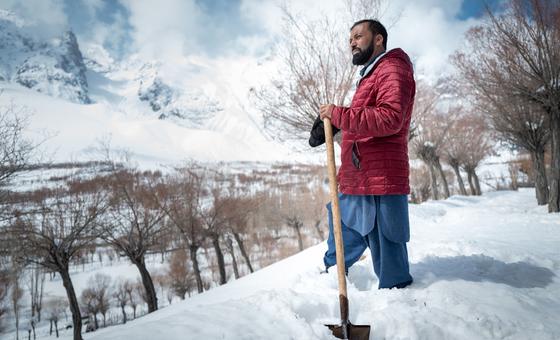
[(394, 86)]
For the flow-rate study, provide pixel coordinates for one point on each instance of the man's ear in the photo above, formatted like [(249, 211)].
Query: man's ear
[(378, 40)]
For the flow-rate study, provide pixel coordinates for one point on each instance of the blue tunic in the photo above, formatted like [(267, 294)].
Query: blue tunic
[(359, 212), (379, 223)]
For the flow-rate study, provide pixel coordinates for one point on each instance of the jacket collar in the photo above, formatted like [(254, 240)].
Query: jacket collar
[(367, 69)]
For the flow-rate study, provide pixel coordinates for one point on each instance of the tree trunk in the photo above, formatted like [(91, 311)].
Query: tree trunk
[(50, 330), (242, 249), (513, 174), (15, 302), (73, 303), (297, 227), (39, 305), (220, 257), (471, 184), (476, 183), (318, 228), (196, 268), (104, 318), (123, 314), (443, 179), (435, 192), (56, 327), (95, 322), (148, 284), (554, 194), (541, 183), (462, 189), (233, 259)]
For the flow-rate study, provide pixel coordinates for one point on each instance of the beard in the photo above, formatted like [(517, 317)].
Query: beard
[(362, 56)]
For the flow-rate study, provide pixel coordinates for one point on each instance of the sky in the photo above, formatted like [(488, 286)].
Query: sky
[(429, 30)]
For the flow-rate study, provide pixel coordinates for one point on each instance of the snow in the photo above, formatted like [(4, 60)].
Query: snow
[(484, 267), (163, 113), (73, 131)]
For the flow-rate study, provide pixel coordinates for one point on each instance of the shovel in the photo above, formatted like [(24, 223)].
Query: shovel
[(345, 330)]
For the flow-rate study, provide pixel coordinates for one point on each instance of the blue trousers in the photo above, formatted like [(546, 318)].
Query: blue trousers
[(390, 259)]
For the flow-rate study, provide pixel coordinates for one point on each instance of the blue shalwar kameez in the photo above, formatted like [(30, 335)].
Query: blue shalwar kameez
[(380, 223)]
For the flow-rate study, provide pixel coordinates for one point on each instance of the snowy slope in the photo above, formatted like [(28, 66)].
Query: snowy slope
[(484, 268), (73, 130)]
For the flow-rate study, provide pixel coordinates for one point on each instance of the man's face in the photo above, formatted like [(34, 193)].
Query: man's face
[(363, 44)]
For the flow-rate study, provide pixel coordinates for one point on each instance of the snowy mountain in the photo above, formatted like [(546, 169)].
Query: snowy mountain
[(161, 113), (485, 267), (55, 68)]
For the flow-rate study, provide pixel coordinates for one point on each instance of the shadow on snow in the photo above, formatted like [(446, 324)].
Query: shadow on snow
[(479, 268)]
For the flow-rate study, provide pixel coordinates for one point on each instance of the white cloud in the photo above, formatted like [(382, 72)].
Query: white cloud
[(429, 32), (45, 18), (93, 6), (167, 28), (170, 30)]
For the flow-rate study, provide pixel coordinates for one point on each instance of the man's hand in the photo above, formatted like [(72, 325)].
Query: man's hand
[(325, 111)]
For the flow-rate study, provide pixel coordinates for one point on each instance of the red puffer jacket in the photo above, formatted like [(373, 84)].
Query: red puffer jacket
[(375, 129)]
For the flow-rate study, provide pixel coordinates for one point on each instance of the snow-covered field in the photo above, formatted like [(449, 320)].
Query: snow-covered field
[(484, 267)]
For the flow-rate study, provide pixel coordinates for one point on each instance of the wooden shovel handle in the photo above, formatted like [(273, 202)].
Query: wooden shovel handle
[(340, 264)]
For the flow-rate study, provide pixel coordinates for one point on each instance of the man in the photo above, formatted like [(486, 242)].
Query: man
[(373, 176)]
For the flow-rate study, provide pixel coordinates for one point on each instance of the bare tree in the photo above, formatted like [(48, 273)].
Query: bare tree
[(455, 149), (90, 304), (214, 216), (62, 225), (99, 286), (429, 138), (130, 289), (121, 296), (5, 285), (32, 325), (293, 209), (419, 183), (317, 202), (479, 145), (518, 51), (185, 192), (425, 102), (36, 288), (16, 152), (317, 68), (135, 221), (179, 274), (229, 245), (246, 208), (161, 280), (55, 309), (16, 295), (524, 124)]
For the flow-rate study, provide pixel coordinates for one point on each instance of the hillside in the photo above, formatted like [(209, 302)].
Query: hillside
[(484, 267)]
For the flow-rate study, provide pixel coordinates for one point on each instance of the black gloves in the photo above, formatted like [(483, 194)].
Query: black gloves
[(317, 136)]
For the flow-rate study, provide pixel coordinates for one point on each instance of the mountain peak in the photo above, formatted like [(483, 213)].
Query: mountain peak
[(55, 68)]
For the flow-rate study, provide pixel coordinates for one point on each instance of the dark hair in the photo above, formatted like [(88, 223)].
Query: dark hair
[(375, 27)]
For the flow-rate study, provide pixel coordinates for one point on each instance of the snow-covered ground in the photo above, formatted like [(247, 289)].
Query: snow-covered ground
[(484, 267)]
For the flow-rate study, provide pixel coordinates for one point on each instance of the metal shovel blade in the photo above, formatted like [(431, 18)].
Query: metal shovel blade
[(353, 332)]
